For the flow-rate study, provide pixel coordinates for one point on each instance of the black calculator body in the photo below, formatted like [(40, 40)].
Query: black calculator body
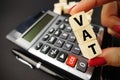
[(49, 37)]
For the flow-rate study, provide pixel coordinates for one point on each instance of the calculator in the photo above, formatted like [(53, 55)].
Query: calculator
[(49, 37)]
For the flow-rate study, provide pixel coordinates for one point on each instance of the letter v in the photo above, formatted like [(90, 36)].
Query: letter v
[(80, 22)]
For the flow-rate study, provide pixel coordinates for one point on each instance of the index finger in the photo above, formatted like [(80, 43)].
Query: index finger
[(86, 5)]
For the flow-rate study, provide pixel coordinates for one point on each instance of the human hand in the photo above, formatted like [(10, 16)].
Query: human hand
[(109, 18)]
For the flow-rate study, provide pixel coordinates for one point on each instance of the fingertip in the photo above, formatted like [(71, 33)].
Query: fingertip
[(83, 5), (98, 61), (69, 11), (114, 32)]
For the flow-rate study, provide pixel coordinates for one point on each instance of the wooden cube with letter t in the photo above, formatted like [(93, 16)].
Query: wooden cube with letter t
[(90, 49), (85, 35)]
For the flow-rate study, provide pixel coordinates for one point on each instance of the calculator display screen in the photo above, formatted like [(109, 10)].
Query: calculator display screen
[(32, 33)]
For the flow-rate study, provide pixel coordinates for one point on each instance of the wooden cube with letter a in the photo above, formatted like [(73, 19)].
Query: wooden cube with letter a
[(90, 49), (78, 21), (85, 34)]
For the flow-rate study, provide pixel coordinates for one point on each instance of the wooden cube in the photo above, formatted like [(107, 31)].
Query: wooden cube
[(90, 12), (58, 11), (57, 8), (62, 1), (72, 3), (90, 49), (66, 9), (78, 20), (89, 17), (85, 34)]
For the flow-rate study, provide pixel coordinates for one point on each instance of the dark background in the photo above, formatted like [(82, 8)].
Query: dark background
[(12, 13)]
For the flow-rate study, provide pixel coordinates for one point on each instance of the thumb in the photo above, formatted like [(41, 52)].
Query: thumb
[(112, 56), (109, 56)]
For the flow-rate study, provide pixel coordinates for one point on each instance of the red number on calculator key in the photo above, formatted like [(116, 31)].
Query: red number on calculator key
[(71, 61)]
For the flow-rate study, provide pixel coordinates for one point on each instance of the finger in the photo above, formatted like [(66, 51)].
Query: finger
[(112, 56), (86, 5), (109, 16), (111, 31), (98, 61), (114, 33)]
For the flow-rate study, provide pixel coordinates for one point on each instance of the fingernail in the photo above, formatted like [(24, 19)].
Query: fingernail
[(71, 9), (117, 28), (98, 61)]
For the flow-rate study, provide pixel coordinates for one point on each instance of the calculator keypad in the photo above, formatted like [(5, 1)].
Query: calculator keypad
[(60, 44)]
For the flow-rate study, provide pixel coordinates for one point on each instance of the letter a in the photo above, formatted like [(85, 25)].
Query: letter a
[(86, 34)]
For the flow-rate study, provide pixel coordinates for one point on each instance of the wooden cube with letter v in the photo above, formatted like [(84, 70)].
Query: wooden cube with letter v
[(85, 35)]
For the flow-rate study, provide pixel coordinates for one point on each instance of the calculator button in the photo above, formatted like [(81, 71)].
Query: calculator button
[(59, 43), (53, 52), (58, 22), (64, 35), (71, 38), (66, 20), (38, 46), (45, 49), (67, 46), (51, 30), (45, 37), (68, 29), (82, 65), (62, 56), (71, 61), (62, 26), (52, 40), (57, 33), (76, 50)]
